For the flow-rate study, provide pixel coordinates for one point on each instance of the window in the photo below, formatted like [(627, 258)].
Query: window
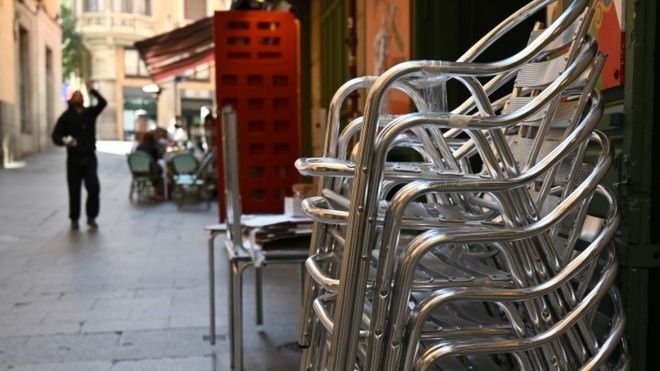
[(134, 65), (24, 79), (92, 5), (127, 6), (50, 85), (142, 7), (195, 9)]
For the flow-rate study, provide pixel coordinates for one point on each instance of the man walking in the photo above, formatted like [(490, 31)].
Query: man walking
[(76, 130)]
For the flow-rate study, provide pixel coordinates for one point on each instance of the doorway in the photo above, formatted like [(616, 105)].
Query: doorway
[(192, 115)]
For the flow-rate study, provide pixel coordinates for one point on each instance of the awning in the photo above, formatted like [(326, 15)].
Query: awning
[(174, 52)]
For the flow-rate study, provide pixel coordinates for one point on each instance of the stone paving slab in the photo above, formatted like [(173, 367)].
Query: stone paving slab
[(130, 296), (169, 364), (69, 366)]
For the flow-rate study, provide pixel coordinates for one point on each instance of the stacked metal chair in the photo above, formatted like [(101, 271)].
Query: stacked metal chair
[(482, 253)]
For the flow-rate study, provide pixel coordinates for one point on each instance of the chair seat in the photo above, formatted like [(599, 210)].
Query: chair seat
[(186, 179)]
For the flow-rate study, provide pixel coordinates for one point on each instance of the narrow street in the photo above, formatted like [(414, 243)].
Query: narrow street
[(132, 295)]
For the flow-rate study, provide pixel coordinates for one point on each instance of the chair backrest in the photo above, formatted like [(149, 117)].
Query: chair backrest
[(139, 162), (184, 163), (204, 165)]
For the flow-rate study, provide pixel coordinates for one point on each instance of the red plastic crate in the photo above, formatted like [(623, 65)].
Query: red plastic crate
[(256, 61)]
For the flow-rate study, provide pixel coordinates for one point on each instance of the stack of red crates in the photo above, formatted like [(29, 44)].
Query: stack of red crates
[(256, 62)]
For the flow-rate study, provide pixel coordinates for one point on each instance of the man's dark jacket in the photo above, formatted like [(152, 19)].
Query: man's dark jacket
[(81, 126)]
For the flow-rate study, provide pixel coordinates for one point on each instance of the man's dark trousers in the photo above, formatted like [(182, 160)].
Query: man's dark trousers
[(79, 170)]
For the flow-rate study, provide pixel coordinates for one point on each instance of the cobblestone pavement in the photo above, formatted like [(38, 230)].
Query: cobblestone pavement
[(131, 296)]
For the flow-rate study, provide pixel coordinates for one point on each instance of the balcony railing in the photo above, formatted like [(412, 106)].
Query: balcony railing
[(125, 25)]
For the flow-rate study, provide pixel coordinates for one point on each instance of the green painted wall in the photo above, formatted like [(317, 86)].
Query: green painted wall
[(334, 50), (302, 9)]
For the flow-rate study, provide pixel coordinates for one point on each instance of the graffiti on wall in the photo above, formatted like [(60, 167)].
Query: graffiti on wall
[(388, 41), (609, 28)]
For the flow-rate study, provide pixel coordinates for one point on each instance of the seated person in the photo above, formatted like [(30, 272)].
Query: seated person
[(141, 128), (209, 132), (162, 140), (149, 144), (178, 133)]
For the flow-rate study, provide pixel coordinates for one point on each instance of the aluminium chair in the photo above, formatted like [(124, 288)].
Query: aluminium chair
[(143, 174)]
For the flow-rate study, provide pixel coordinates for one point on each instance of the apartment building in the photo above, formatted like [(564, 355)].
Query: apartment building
[(30, 72), (109, 29)]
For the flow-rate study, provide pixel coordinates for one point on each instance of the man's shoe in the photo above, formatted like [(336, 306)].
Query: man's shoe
[(74, 225), (91, 223)]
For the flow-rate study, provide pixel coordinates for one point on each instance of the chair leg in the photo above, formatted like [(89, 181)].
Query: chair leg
[(179, 195), (139, 190), (131, 190)]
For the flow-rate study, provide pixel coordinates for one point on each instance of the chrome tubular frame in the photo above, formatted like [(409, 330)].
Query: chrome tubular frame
[(439, 263)]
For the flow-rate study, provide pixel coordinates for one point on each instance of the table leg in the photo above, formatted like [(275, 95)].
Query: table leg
[(230, 300), (259, 294), (237, 304), (211, 262)]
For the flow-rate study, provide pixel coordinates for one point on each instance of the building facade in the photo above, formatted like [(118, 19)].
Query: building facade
[(31, 76), (109, 29)]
